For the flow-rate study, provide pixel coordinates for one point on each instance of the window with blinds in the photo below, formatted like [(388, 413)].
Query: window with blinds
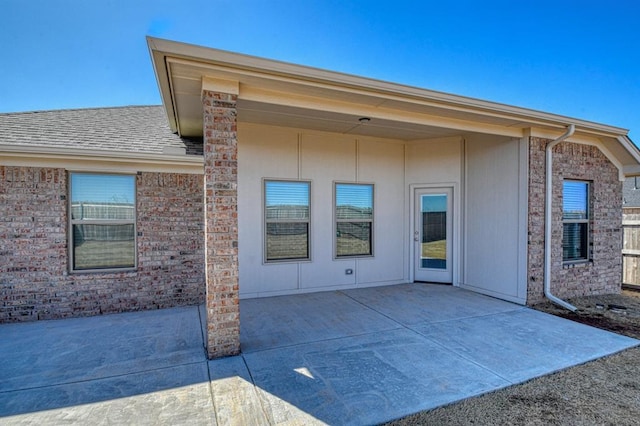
[(286, 211), (575, 221), (102, 221), (353, 219)]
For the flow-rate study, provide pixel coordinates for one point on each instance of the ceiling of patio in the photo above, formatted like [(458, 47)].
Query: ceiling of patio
[(309, 105), (282, 115)]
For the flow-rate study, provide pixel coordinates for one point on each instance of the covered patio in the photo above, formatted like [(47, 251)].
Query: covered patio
[(359, 356)]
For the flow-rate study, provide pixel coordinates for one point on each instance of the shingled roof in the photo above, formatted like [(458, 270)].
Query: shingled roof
[(141, 129)]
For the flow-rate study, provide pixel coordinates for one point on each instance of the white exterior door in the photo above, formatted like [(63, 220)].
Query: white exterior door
[(432, 235)]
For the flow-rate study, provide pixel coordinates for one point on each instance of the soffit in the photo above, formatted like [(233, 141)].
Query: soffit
[(281, 94), (275, 101)]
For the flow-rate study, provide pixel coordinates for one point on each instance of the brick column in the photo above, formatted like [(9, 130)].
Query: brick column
[(221, 223)]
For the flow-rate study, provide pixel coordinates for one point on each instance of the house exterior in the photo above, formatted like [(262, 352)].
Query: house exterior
[(273, 179)]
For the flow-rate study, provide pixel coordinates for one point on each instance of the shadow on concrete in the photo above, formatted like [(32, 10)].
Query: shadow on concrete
[(345, 357)]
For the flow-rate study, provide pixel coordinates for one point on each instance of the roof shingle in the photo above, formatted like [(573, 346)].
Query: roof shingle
[(141, 129)]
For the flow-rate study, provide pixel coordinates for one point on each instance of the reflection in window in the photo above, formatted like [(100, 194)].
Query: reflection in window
[(434, 231), (102, 221), (354, 219), (286, 220), (575, 221)]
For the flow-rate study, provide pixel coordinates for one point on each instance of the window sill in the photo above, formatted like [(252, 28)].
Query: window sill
[(285, 261), (576, 264), (109, 271), (355, 256)]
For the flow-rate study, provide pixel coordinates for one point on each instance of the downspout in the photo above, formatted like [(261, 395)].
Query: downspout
[(547, 220)]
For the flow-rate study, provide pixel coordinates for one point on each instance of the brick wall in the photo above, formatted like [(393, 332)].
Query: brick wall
[(34, 279), (603, 273)]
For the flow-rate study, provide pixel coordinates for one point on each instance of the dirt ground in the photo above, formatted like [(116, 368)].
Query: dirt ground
[(601, 392)]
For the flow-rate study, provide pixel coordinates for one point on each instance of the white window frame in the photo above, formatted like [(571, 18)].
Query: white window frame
[(586, 221), (336, 220), (73, 222), (266, 221)]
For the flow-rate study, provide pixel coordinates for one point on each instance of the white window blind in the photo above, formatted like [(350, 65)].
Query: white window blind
[(575, 217), (102, 219), (286, 220), (354, 219)]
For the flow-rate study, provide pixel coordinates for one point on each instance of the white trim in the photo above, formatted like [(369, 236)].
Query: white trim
[(86, 160), (266, 261), (239, 64), (220, 85), (71, 222), (495, 294), (523, 218), (335, 220), (587, 221)]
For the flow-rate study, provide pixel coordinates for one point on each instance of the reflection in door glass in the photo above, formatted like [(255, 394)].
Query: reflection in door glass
[(434, 231)]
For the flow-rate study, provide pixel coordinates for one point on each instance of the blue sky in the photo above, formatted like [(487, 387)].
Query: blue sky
[(287, 193), (89, 188), (578, 58), (434, 203)]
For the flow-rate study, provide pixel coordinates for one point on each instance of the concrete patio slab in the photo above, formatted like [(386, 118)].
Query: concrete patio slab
[(47, 353), (365, 379), (520, 345), (412, 304), (171, 396), (346, 357), (234, 394), (290, 320)]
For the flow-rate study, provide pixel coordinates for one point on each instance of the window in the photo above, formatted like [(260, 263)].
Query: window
[(286, 220), (354, 219), (575, 221), (102, 221)]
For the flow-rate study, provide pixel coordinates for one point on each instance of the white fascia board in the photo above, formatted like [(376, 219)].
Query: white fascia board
[(628, 144), (631, 171), (17, 154), (235, 62), (162, 78)]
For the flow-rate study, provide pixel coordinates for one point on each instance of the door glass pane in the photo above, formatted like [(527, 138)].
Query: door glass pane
[(434, 231)]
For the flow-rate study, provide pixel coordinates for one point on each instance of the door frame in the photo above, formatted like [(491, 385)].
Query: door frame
[(456, 241)]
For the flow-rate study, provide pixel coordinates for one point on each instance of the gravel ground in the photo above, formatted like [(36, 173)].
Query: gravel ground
[(601, 392)]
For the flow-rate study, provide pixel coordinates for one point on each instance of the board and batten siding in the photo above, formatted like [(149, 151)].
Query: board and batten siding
[(437, 163), (496, 216), (268, 152)]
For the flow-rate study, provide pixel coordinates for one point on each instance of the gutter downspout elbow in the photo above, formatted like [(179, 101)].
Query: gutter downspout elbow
[(547, 219)]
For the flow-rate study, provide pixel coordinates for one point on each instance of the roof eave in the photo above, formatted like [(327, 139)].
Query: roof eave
[(160, 49), (162, 78)]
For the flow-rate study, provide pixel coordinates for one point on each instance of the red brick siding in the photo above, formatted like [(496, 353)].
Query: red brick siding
[(34, 279), (603, 274), (221, 223)]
